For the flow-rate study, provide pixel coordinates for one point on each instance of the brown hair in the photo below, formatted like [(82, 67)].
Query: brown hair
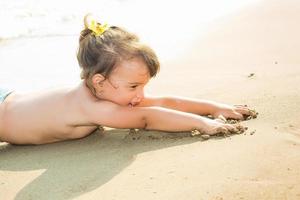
[(100, 54)]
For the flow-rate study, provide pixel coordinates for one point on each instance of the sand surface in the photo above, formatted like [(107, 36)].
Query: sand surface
[(261, 39)]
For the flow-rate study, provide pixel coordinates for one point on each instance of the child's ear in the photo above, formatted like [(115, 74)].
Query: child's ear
[(97, 80)]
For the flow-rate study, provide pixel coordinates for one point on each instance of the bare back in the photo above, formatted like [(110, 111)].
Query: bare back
[(45, 117)]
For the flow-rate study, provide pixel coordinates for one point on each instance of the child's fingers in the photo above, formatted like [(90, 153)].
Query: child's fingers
[(221, 119), (247, 112), (227, 129), (237, 129), (244, 111), (241, 106), (237, 115), (222, 130), (231, 128)]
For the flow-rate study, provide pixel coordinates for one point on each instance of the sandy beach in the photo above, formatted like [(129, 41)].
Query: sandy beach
[(249, 55)]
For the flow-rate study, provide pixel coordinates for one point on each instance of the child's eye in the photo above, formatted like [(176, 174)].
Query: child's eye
[(133, 87)]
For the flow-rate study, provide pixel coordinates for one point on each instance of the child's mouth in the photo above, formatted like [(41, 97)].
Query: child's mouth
[(132, 104)]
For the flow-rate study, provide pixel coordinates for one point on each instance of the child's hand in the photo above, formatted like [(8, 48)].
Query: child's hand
[(238, 112), (218, 126)]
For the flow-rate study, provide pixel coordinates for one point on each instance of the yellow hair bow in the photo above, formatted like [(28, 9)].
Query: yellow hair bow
[(97, 28)]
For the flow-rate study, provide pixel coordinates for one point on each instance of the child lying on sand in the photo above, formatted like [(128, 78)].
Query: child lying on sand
[(115, 68)]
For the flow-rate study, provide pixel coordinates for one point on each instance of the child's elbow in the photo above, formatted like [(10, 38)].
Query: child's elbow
[(144, 119), (148, 123), (144, 123)]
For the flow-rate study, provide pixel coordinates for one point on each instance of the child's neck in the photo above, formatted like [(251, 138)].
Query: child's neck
[(89, 90)]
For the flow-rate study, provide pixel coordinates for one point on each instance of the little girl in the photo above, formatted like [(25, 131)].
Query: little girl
[(115, 68)]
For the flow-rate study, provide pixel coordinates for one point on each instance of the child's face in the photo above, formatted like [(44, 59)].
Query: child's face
[(125, 85)]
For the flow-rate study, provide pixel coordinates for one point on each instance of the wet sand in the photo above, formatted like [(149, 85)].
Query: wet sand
[(248, 57)]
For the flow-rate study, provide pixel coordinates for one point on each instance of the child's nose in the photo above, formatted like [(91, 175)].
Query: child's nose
[(140, 94)]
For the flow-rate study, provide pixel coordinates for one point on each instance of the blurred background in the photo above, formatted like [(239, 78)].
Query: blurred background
[(39, 38)]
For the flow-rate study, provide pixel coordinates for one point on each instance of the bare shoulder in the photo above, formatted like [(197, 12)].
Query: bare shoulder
[(106, 113)]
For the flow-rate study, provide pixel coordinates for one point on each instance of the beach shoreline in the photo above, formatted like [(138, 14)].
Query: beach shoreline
[(249, 57)]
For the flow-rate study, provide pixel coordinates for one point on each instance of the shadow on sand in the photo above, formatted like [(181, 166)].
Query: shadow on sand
[(73, 168)]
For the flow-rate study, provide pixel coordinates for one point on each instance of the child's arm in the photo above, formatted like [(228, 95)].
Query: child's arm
[(200, 107), (153, 118)]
